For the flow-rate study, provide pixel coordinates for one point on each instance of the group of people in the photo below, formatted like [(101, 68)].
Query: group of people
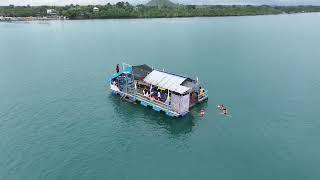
[(223, 109), (154, 94), (145, 92), (114, 82), (220, 107)]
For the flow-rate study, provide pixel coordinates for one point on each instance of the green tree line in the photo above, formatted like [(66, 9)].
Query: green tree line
[(126, 10)]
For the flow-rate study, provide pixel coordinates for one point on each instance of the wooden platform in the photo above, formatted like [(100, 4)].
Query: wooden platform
[(155, 104)]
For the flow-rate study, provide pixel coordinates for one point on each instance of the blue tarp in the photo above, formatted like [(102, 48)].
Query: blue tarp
[(116, 75), (127, 70)]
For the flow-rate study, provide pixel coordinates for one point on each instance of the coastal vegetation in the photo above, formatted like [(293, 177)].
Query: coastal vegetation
[(153, 9)]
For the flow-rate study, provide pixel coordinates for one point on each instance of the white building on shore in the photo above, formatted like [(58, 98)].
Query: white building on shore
[(95, 9), (51, 12)]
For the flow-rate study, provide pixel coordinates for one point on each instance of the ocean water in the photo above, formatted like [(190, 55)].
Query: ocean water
[(58, 119)]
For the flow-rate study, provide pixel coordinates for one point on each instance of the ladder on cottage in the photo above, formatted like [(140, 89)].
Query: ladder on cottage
[(130, 86)]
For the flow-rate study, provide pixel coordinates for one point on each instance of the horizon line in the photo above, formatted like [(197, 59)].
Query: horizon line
[(135, 4)]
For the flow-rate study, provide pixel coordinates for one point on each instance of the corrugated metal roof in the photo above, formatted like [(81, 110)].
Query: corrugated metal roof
[(167, 81)]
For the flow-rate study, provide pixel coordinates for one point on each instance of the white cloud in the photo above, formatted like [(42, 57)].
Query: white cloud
[(85, 2)]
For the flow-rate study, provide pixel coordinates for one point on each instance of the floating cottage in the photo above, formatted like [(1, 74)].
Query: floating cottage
[(163, 91)]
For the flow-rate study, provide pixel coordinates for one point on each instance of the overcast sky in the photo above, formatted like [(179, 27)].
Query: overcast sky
[(85, 2)]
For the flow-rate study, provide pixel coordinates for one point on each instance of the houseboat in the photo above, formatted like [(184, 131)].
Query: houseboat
[(163, 91)]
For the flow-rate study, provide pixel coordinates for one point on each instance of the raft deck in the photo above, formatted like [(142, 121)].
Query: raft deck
[(155, 104), (134, 80)]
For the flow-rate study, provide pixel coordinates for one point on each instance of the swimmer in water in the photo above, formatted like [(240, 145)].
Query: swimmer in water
[(202, 112), (224, 110), (221, 107)]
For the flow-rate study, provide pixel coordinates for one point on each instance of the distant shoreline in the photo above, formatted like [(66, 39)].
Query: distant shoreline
[(123, 10), (36, 19)]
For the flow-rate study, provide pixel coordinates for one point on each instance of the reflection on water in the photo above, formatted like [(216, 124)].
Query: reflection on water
[(175, 126)]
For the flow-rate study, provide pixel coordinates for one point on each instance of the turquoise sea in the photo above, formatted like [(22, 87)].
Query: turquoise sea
[(58, 120)]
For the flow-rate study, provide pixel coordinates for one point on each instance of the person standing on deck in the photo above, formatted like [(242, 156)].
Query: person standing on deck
[(144, 91), (117, 68), (201, 91), (159, 95), (167, 102)]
